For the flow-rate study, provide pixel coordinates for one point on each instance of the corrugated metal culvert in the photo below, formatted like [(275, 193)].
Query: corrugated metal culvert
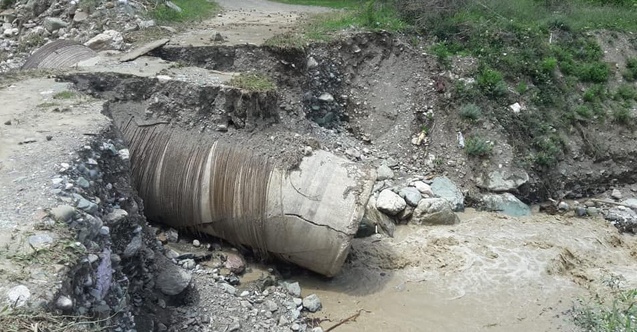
[(59, 54)]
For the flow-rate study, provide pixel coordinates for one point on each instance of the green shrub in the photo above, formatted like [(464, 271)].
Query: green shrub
[(626, 92), (631, 70), (491, 83), (471, 112), (621, 115), (549, 64), (584, 112), (595, 93), (594, 72), (477, 146)]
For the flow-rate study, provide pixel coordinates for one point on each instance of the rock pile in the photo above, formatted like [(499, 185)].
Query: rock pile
[(28, 24), (419, 201)]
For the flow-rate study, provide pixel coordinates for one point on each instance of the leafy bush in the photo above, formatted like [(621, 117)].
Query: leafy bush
[(477, 146), (595, 72), (470, 112), (584, 112), (626, 92), (621, 115), (491, 83), (631, 70), (595, 93)]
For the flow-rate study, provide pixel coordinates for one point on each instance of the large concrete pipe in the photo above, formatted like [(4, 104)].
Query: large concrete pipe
[(306, 216)]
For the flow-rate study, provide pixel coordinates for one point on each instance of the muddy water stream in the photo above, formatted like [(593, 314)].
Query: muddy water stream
[(489, 273)]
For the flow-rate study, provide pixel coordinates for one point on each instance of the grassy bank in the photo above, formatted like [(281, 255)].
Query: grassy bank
[(191, 10)]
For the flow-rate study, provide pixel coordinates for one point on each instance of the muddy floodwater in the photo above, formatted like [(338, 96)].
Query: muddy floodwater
[(488, 273)]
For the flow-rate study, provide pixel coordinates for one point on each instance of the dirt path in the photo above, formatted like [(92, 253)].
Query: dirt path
[(246, 22)]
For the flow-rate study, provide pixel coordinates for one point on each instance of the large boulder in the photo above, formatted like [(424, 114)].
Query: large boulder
[(107, 40), (390, 203), (373, 217), (503, 180), (444, 188), (411, 195), (505, 203), (434, 211)]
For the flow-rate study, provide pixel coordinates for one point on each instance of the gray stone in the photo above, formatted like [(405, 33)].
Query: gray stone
[(62, 213), (390, 203), (228, 288), (505, 203), (563, 206), (40, 241), (444, 188), (405, 214), (423, 188), (173, 6), (18, 296), (188, 264), (411, 195), (87, 206), (317, 329), (196, 243), (312, 303), (592, 211), (53, 23), (616, 194), (133, 247), (82, 182), (171, 279), (373, 217), (312, 63), (293, 288), (326, 97), (116, 216), (353, 153), (383, 173), (80, 16), (625, 219), (109, 39), (580, 211), (434, 211), (271, 305), (632, 202), (503, 180), (172, 235), (64, 303), (297, 301)]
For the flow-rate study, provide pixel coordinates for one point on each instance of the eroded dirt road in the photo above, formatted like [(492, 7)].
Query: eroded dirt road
[(246, 22)]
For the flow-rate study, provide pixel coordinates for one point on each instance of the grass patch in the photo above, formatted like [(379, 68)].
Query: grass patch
[(541, 48), (613, 313), (253, 82), (621, 115), (630, 74), (191, 10), (477, 146), (471, 112), (64, 95)]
